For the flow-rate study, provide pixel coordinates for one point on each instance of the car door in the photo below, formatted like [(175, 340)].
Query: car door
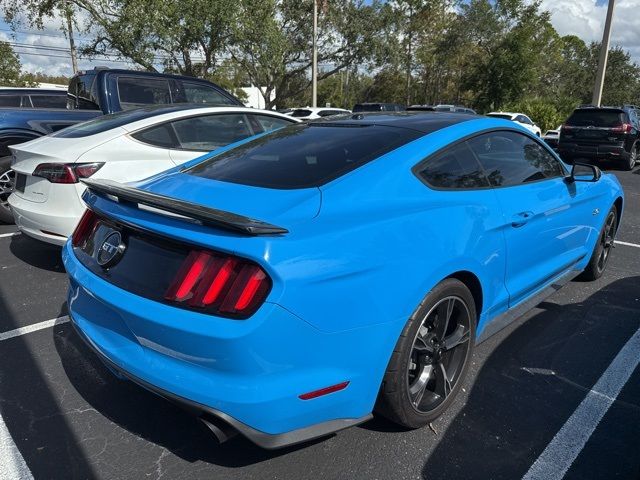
[(547, 221)]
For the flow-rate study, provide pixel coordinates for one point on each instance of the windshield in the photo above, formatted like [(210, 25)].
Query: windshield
[(303, 156)]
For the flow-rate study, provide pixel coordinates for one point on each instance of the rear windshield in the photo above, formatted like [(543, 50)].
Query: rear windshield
[(500, 115), (596, 118), (299, 113), (107, 122), (303, 156), (371, 107)]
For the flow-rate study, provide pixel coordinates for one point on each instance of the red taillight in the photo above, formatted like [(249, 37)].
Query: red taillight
[(84, 228), (219, 283), (66, 172), (623, 128)]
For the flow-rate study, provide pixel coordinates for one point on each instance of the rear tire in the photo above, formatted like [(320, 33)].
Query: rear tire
[(602, 249), (431, 357), (633, 158), (7, 179)]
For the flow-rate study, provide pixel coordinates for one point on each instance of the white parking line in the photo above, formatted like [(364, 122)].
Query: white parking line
[(33, 328), (12, 465), (561, 452), (12, 234), (618, 242)]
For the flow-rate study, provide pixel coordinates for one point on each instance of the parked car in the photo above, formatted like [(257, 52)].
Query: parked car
[(311, 113), (454, 108), (33, 98), (378, 107), (289, 286), (551, 138), (520, 119), (125, 146), (93, 93), (601, 134)]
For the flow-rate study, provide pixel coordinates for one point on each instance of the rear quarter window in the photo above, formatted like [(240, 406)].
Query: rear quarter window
[(303, 156)]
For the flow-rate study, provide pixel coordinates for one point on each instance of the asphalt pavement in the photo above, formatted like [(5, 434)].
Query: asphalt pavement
[(69, 417)]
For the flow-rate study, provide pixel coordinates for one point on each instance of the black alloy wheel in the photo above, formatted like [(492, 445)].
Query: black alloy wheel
[(438, 355), (431, 357)]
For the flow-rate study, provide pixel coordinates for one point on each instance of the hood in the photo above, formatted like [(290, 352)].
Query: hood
[(281, 207), (47, 149)]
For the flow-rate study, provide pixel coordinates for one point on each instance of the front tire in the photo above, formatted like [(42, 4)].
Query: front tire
[(602, 250), (431, 357), (7, 179)]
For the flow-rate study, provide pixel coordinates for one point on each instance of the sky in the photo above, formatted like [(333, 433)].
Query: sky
[(584, 18)]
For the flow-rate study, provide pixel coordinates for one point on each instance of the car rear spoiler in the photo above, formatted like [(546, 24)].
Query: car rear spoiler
[(200, 213)]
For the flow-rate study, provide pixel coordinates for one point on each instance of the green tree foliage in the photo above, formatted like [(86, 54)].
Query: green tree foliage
[(485, 54), (10, 69)]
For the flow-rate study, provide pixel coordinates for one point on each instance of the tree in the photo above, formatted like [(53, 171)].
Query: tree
[(273, 42), (185, 36), (10, 69)]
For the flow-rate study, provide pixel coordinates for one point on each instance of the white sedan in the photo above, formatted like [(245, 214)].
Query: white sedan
[(126, 146), (519, 118)]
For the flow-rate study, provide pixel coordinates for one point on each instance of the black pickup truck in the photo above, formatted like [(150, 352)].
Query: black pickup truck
[(99, 92)]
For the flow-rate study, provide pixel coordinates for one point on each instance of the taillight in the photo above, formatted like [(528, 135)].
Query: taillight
[(66, 172), (84, 228), (622, 128), (219, 283)]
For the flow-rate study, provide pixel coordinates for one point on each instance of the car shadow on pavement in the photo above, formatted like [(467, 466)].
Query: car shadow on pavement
[(146, 415), (37, 254), (532, 382)]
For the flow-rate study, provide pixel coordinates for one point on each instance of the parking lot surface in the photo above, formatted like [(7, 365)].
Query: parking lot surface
[(69, 417)]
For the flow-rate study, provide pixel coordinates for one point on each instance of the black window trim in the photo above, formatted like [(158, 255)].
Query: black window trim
[(417, 167), (243, 113)]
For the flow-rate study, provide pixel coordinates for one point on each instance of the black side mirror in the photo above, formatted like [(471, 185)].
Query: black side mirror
[(583, 172)]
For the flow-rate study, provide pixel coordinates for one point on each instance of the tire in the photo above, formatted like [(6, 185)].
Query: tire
[(425, 374), (6, 187), (602, 250), (633, 157)]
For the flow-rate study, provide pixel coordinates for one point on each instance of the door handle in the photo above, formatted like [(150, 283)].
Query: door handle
[(521, 219)]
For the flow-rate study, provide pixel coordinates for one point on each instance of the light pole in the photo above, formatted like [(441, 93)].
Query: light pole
[(604, 55), (314, 62)]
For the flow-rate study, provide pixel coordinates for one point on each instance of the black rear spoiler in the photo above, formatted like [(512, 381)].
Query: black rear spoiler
[(204, 215)]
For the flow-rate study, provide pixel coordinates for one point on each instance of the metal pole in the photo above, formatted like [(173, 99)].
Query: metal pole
[(604, 55), (72, 45), (314, 65)]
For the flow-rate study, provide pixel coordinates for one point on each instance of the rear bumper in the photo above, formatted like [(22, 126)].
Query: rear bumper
[(595, 152), (248, 373), (262, 439), (50, 221)]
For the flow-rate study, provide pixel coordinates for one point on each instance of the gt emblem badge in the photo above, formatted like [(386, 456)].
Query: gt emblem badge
[(111, 250)]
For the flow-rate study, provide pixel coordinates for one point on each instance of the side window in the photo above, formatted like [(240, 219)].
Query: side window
[(139, 91), (455, 168), (49, 101), (159, 136), (198, 93), (208, 132), (10, 101), (511, 158), (79, 94), (269, 123)]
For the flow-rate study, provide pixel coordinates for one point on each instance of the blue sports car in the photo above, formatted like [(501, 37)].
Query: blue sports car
[(290, 285)]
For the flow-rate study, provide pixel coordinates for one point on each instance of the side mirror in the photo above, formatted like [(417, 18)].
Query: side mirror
[(583, 172)]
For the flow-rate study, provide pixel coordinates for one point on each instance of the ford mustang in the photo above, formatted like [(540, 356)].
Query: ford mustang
[(292, 284)]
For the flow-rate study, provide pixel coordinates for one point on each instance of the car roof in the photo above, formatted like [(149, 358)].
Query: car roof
[(31, 91), (425, 122)]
